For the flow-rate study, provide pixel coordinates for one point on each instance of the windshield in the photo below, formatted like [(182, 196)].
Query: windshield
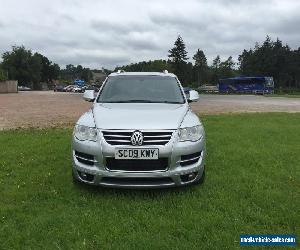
[(141, 89)]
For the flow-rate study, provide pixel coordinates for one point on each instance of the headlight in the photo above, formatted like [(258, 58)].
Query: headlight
[(191, 133), (84, 133)]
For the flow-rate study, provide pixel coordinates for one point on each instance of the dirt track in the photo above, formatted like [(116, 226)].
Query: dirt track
[(49, 109)]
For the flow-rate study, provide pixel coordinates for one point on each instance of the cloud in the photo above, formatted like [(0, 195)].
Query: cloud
[(106, 33)]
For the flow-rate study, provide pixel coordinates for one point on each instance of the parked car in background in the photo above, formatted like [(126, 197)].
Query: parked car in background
[(77, 89), (139, 133), (69, 88), (83, 88), (23, 88), (208, 88), (59, 88)]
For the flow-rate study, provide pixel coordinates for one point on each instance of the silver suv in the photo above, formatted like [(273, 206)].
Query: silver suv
[(139, 133)]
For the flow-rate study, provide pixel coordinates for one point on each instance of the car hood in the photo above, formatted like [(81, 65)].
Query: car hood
[(138, 115)]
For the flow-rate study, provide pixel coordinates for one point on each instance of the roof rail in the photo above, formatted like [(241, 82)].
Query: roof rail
[(120, 71), (165, 71)]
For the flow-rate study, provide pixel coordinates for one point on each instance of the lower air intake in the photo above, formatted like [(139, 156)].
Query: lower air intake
[(134, 165)]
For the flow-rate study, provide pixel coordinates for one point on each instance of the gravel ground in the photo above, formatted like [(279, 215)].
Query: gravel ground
[(40, 109), (215, 104), (49, 109)]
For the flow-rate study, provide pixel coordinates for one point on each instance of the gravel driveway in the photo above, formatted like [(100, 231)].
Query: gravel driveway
[(50, 109), (215, 104)]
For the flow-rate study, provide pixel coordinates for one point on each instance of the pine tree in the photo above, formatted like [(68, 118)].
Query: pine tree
[(216, 70), (200, 59), (200, 66), (216, 62), (178, 53), (226, 68), (178, 58)]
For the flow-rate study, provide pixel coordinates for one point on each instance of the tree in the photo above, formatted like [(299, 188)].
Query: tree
[(21, 65), (49, 71), (188, 73), (178, 53), (71, 72), (216, 62), (106, 71), (86, 74), (221, 69), (272, 59), (28, 68), (54, 72), (200, 66), (226, 68), (149, 66), (35, 71), (3, 74), (178, 58), (215, 70)]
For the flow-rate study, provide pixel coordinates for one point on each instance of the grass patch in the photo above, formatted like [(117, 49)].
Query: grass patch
[(252, 186)]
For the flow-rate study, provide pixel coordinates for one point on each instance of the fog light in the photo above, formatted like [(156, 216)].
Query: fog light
[(86, 176), (188, 177), (191, 176)]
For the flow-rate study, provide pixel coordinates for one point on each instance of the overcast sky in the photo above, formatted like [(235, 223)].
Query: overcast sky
[(116, 32)]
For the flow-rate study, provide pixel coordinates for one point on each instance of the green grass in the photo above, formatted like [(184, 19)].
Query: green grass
[(252, 186)]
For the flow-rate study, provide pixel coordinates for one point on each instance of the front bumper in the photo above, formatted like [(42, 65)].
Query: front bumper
[(175, 175)]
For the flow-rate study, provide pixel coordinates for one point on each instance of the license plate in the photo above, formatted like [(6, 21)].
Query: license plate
[(137, 153)]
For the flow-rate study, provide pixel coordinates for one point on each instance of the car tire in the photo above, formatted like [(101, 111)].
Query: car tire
[(201, 180)]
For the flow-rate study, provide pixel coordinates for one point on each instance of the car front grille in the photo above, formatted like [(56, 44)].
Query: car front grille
[(136, 165), (123, 137), (190, 159)]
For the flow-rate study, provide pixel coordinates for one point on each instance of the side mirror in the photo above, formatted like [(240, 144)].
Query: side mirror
[(89, 95), (193, 96)]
